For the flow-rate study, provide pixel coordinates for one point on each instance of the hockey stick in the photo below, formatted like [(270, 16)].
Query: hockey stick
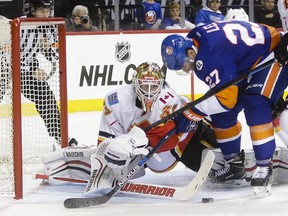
[(210, 93), (86, 202), (154, 190)]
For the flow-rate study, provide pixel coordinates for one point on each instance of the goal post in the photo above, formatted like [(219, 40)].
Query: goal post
[(33, 97)]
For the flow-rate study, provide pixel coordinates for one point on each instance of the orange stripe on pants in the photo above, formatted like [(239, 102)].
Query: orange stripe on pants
[(271, 80), (228, 133)]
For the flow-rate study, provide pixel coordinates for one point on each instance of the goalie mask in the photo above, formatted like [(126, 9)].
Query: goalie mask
[(45, 4), (148, 80)]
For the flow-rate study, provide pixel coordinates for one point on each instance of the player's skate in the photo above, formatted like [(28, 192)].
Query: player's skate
[(231, 172), (262, 180)]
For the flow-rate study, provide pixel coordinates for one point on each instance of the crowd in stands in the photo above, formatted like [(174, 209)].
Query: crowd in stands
[(98, 15)]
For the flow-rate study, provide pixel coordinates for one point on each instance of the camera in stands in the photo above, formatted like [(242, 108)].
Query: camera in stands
[(84, 19)]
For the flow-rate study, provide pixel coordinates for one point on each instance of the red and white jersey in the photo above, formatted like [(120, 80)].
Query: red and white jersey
[(122, 110), (283, 10)]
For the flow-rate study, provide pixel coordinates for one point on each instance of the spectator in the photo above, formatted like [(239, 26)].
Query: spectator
[(80, 20), (210, 12), (152, 15), (268, 14), (96, 10), (174, 19)]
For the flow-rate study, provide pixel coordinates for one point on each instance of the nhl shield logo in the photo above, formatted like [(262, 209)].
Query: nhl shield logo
[(122, 52)]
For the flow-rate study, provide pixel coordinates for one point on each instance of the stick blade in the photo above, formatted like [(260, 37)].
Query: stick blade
[(199, 179), (71, 203)]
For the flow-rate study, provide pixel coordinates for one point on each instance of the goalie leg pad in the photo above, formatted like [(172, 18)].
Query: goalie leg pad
[(283, 118), (282, 176), (250, 163), (70, 162), (102, 176), (54, 163)]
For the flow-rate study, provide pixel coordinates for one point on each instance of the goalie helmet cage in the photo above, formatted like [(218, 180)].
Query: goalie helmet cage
[(25, 135)]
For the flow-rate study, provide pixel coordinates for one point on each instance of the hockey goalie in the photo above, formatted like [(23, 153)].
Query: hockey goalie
[(122, 141)]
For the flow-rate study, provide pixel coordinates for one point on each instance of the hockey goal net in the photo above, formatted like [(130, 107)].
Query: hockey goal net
[(33, 97)]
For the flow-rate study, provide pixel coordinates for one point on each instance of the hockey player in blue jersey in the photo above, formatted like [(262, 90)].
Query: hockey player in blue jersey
[(219, 53)]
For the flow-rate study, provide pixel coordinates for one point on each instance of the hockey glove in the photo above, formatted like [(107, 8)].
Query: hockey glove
[(187, 121), (281, 51)]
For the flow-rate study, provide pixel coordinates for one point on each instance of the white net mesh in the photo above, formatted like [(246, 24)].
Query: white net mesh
[(40, 97), (40, 90)]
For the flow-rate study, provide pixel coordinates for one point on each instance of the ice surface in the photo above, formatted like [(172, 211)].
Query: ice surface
[(47, 200)]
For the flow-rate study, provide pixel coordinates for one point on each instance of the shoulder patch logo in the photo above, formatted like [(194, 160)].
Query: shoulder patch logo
[(199, 65), (113, 99), (122, 51)]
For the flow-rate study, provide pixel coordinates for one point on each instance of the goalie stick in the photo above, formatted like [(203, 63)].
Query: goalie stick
[(86, 202), (155, 190)]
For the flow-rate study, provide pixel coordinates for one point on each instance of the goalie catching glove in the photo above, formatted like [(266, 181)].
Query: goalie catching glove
[(115, 157), (281, 51)]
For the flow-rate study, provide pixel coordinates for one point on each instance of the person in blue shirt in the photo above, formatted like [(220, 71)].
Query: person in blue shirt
[(219, 52), (152, 15), (208, 13), (174, 19)]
